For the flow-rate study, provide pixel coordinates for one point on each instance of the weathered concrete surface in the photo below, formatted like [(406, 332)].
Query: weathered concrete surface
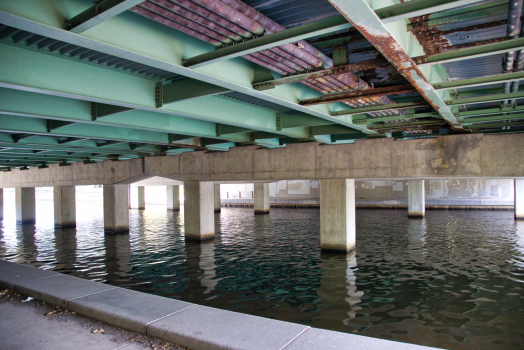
[(464, 156), (51, 289), (141, 197), (1, 204), (173, 197), (126, 308), (25, 205), (220, 329), (217, 206), (261, 198), (198, 327), (64, 200), (116, 208), (11, 274), (199, 218), (337, 215), (416, 199), (519, 199)]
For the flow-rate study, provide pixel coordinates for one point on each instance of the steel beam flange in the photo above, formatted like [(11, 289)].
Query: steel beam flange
[(366, 21)]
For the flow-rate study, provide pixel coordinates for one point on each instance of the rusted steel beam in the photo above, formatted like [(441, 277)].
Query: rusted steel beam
[(365, 20), (348, 68), (371, 109), (357, 95)]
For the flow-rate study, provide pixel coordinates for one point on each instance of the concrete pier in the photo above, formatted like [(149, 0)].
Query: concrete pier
[(173, 197), (337, 215), (218, 204), (141, 197), (116, 212), (1, 203), (519, 199), (199, 220), (64, 200), (416, 199), (261, 197), (25, 205)]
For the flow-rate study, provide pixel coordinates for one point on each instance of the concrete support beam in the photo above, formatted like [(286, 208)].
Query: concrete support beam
[(199, 220), (337, 215), (1, 203), (519, 199), (141, 197), (64, 200), (218, 204), (416, 199), (116, 208), (261, 198), (173, 197), (25, 205)]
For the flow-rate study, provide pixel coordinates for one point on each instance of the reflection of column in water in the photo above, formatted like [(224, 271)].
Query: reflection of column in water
[(27, 249), (118, 258), (338, 290), (417, 230), (262, 228), (65, 249), (519, 243), (200, 268)]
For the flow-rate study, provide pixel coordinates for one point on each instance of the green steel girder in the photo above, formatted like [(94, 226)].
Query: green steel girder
[(102, 11), (487, 98), (184, 89), (366, 21), (478, 12), (488, 111), (471, 120), (143, 41), (472, 52), (467, 9), (496, 125), (228, 129), (492, 79), (100, 110), (56, 124), (324, 26), (329, 130), (53, 76), (346, 137), (299, 120), (402, 105)]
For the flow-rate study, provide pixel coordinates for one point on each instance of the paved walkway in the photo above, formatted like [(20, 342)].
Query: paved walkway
[(35, 326)]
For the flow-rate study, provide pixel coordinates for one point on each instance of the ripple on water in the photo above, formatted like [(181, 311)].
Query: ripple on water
[(452, 280)]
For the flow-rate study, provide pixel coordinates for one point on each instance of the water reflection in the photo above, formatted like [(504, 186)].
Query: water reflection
[(452, 280)]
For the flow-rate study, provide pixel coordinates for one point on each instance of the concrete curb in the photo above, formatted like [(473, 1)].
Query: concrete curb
[(186, 324)]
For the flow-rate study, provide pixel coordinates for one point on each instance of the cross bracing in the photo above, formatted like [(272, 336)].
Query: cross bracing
[(129, 78)]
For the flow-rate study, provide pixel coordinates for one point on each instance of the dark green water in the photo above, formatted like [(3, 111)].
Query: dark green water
[(453, 280)]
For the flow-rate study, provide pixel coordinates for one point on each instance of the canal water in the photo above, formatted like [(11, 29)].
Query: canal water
[(452, 280)]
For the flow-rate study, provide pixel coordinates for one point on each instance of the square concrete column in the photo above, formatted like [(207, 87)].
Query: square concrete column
[(416, 199), (337, 215), (199, 220), (173, 197), (1, 203), (141, 197), (25, 205), (129, 195), (218, 204), (64, 200), (261, 198), (519, 199), (116, 208)]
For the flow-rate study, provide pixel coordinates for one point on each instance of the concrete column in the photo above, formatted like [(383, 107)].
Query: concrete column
[(141, 197), (199, 220), (129, 195), (261, 198), (337, 215), (173, 197), (65, 206), (218, 204), (116, 208), (519, 199), (25, 205), (416, 199), (1, 203)]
